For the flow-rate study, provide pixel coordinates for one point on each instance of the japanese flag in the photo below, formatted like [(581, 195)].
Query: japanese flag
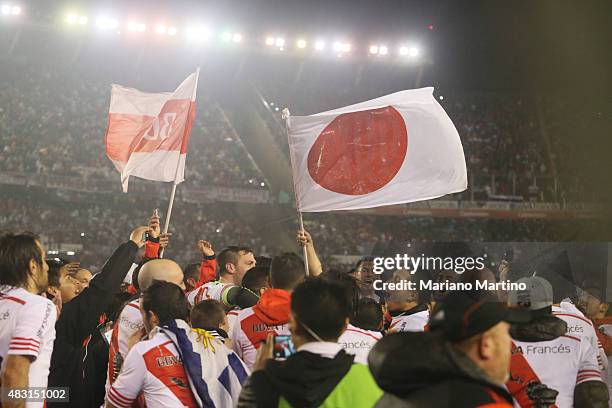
[(395, 149), (148, 133)]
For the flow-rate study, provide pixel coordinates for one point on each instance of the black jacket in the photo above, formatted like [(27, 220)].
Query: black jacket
[(78, 320), (422, 370), (304, 380)]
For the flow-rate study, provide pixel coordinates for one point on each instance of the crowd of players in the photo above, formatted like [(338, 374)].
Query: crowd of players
[(240, 329)]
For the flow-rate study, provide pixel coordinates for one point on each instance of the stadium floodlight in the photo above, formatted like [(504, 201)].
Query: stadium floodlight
[(237, 37), (107, 23), (226, 36), (15, 10), (72, 18), (346, 47), (320, 45), (5, 9), (337, 46), (270, 41), (83, 20), (280, 42), (301, 43), (172, 31), (374, 49), (403, 51), (161, 29), (413, 52), (383, 50)]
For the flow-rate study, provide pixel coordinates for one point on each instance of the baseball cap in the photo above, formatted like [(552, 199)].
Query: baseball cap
[(538, 294), (464, 314)]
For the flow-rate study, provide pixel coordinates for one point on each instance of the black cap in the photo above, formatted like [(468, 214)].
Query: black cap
[(462, 315)]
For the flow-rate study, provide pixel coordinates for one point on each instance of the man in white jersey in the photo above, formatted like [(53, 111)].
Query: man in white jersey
[(580, 326), (129, 323), (27, 328), (408, 308), (233, 262), (173, 367), (363, 331), (550, 365)]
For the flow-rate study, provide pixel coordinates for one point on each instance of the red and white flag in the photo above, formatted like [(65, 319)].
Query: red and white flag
[(399, 148), (148, 133)]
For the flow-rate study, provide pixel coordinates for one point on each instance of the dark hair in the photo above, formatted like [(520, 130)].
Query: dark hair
[(191, 271), (55, 265), (287, 271), (264, 261), (207, 314), (321, 306), (352, 291), (369, 315), (231, 254), (16, 252), (256, 278), (166, 300)]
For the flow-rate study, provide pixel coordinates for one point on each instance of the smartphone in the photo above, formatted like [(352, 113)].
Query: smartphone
[(283, 347)]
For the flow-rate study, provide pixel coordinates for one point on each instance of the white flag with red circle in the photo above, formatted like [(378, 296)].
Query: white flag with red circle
[(399, 148), (148, 133)]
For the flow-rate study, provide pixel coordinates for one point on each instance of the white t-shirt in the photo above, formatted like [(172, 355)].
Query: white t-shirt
[(559, 364), (27, 328), (128, 323), (212, 290), (578, 325), (154, 368), (407, 322), (359, 342)]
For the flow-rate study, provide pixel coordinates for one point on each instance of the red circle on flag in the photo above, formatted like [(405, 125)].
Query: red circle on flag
[(359, 152)]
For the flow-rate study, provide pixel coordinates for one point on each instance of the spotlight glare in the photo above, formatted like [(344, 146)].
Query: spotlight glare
[(172, 31), (71, 18), (227, 37), (160, 29), (346, 47), (383, 50), (16, 10), (197, 33), (280, 42), (320, 45), (5, 10), (373, 49), (107, 23), (403, 51), (83, 20), (270, 41), (337, 46), (237, 37), (413, 52), (301, 43)]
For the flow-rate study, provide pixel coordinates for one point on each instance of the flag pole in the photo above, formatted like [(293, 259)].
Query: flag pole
[(178, 166), (286, 115)]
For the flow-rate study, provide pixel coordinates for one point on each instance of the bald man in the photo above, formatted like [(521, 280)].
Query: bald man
[(129, 322)]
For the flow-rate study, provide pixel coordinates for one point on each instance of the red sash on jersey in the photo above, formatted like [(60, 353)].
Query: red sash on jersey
[(521, 375)]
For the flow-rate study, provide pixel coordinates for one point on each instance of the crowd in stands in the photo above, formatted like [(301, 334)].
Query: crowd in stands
[(240, 329), (53, 123)]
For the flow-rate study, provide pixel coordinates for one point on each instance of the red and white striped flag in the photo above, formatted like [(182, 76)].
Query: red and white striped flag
[(148, 133)]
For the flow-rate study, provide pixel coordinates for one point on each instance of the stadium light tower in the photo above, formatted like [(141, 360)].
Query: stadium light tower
[(10, 10), (301, 43), (72, 18), (270, 41), (373, 49), (320, 45)]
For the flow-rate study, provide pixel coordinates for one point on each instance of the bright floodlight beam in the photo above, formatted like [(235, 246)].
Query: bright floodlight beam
[(413, 52), (270, 41), (373, 49), (161, 29), (5, 9), (172, 31), (16, 10), (106, 23), (301, 43), (320, 45), (280, 42), (237, 37), (83, 20), (383, 50), (72, 18)]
